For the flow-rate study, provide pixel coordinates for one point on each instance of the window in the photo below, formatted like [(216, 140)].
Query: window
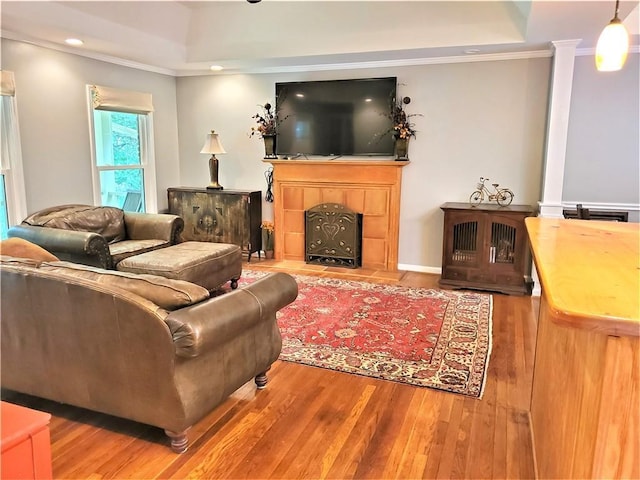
[(13, 204), (4, 211), (122, 160)]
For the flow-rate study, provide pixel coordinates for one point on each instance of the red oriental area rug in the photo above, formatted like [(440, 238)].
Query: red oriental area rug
[(424, 337)]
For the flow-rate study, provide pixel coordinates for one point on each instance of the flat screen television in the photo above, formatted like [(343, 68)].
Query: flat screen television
[(335, 117)]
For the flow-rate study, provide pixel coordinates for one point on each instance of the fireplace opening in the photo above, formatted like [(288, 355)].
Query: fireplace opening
[(333, 236)]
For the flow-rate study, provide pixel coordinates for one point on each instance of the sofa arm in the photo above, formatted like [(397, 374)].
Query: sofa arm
[(160, 226), (201, 327), (88, 248)]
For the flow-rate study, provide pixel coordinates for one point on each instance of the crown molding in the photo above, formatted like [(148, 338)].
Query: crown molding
[(492, 57), (409, 62), (582, 52), (84, 53)]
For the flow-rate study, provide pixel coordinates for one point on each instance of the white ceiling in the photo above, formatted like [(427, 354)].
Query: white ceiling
[(186, 37)]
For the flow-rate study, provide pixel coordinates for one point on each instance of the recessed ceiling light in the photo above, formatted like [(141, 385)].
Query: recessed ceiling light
[(471, 51), (216, 68), (368, 100), (76, 42), (300, 95)]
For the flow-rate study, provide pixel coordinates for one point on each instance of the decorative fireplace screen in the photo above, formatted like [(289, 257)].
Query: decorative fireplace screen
[(333, 236)]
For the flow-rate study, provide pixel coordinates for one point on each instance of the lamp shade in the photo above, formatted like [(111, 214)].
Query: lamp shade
[(613, 45), (212, 144)]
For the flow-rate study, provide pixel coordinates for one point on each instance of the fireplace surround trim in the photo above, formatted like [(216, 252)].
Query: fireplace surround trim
[(371, 187)]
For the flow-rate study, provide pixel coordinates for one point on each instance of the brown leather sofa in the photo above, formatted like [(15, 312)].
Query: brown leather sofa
[(142, 347), (98, 236)]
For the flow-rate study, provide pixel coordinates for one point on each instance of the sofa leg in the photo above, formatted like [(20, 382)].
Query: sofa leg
[(234, 283), (179, 440), (261, 380)]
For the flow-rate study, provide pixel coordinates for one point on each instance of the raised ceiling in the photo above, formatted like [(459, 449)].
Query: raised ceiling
[(187, 37)]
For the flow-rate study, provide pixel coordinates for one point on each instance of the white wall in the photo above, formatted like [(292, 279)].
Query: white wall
[(479, 119), (54, 127), (603, 158)]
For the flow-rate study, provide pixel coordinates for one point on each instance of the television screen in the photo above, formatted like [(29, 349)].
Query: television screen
[(335, 117)]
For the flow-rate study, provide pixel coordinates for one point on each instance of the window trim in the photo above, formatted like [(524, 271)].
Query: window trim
[(147, 155), (14, 172)]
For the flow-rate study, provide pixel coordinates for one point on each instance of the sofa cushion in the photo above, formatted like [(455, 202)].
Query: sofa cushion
[(166, 293), (19, 247), (127, 248), (105, 221)]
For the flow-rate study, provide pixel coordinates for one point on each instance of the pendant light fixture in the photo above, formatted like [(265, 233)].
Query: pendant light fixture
[(613, 45)]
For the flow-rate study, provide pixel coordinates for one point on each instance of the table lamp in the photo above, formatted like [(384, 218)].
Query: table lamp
[(213, 145)]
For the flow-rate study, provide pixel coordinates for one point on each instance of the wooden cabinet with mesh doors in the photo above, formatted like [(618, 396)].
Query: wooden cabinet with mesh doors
[(223, 216), (486, 248)]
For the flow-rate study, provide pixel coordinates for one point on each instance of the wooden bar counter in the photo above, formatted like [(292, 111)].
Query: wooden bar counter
[(585, 402)]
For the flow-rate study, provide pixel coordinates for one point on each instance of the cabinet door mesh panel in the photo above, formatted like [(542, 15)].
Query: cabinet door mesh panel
[(465, 236), (503, 243)]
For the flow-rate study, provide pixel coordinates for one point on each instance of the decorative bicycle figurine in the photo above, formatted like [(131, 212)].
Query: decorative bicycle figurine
[(503, 196)]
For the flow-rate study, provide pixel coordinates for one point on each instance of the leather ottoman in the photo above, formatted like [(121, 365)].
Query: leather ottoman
[(206, 264)]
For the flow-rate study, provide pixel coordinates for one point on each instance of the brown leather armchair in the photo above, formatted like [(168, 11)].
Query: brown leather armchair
[(98, 236)]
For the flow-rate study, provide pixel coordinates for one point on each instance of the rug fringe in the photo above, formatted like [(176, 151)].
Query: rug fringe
[(489, 348)]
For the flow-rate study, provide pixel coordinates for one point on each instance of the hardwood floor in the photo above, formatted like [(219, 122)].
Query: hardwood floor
[(315, 423)]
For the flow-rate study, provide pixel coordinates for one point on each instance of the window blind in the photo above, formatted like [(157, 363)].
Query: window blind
[(114, 99), (8, 125), (7, 83)]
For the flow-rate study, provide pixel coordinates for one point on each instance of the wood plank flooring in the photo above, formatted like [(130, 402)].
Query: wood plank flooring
[(315, 423)]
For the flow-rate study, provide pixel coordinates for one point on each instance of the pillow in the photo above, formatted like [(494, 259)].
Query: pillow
[(21, 248), (164, 292), (105, 221)]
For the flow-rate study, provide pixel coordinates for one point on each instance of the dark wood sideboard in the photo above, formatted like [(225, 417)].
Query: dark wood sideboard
[(486, 247), (223, 216)]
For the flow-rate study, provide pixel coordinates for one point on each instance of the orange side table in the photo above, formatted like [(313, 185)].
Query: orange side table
[(26, 448)]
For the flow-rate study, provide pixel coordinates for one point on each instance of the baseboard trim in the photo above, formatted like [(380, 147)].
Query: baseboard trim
[(419, 268)]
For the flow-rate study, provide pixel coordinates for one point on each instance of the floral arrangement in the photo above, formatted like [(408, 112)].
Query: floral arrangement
[(401, 125), (267, 121), (267, 235)]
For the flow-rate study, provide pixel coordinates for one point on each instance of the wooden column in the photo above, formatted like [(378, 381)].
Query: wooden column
[(370, 187), (557, 127)]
